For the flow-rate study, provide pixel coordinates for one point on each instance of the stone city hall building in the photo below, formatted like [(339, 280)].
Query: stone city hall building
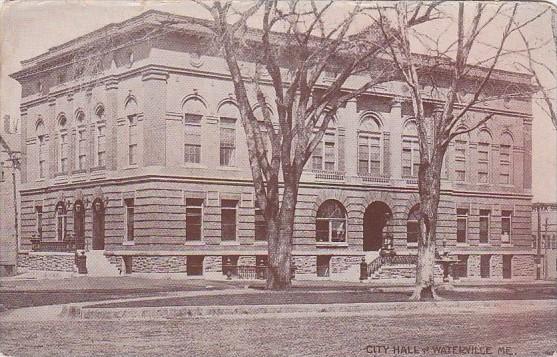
[(143, 161)]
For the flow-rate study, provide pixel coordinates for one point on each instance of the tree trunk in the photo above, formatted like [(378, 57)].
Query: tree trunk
[(429, 187), (280, 230)]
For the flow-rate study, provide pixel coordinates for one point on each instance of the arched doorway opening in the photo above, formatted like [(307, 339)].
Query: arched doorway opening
[(98, 224), (376, 217), (79, 224)]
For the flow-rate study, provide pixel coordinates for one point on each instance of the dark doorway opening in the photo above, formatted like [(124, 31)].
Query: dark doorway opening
[(98, 224), (79, 224), (507, 266), (376, 218)]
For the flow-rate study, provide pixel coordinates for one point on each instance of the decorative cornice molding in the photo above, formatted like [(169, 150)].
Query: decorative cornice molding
[(154, 74)]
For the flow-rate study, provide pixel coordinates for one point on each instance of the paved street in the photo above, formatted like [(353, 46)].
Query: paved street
[(526, 334)]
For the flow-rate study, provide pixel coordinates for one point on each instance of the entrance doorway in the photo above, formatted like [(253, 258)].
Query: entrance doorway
[(98, 224), (507, 266), (79, 224), (376, 217)]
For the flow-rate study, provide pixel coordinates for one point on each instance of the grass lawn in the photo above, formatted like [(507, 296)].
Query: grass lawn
[(297, 296), (526, 334)]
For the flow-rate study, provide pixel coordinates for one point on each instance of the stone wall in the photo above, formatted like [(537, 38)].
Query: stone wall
[(212, 264), (341, 264), (402, 271), (523, 267), (305, 264), (160, 264), (46, 261)]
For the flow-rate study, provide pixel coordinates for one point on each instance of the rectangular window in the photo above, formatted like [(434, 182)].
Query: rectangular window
[(101, 150), (81, 150), (317, 158), (461, 225), (323, 263), (507, 266), (228, 219), (39, 223), (63, 153), (330, 157), (260, 225), (129, 218), (460, 161), (42, 162), (132, 143), (369, 155), (483, 163), (485, 266), (505, 164), (61, 218), (506, 221), (227, 141), (484, 225), (194, 219), (410, 158), (192, 138), (194, 265)]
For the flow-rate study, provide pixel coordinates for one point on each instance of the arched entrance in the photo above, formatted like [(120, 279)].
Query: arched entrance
[(376, 217), (79, 224), (98, 224)]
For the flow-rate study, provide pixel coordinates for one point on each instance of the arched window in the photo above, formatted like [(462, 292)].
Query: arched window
[(229, 115), (193, 110), (63, 144), (42, 152), (131, 113), (324, 157), (484, 154), (330, 223), (505, 159), (100, 137), (461, 152), (81, 141), (369, 147), (410, 150), (412, 227), (61, 218)]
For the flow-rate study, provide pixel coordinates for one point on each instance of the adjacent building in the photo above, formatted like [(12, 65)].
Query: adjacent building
[(139, 153), (544, 235)]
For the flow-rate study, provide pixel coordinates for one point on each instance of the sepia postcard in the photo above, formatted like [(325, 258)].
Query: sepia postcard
[(278, 178)]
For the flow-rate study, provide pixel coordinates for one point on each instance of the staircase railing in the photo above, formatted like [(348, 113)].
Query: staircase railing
[(376, 263)]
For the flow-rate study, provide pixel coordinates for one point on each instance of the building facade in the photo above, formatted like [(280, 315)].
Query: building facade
[(145, 159), (544, 235)]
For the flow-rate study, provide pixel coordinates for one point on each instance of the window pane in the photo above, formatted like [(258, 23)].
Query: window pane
[(412, 232), (338, 233), (322, 230)]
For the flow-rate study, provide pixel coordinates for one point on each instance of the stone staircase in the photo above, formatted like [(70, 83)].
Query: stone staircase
[(99, 265), (398, 266)]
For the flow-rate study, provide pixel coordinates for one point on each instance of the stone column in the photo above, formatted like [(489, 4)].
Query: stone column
[(111, 128), (210, 142), (154, 119), (395, 126)]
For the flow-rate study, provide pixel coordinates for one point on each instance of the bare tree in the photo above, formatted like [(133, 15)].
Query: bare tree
[(436, 127), (296, 47)]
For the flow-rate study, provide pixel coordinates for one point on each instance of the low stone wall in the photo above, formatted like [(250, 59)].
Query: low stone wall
[(212, 264), (402, 271), (46, 261), (158, 264), (305, 264), (523, 267), (341, 264)]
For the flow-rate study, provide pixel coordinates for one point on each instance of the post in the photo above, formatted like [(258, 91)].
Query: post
[(538, 246)]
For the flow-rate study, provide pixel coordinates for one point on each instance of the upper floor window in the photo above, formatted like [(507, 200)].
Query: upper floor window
[(505, 159), (369, 147), (412, 225), (81, 139), (228, 113), (410, 150), (228, 219), (330, 222), (63, 144), (506, 222), (484, 225), (461, 151), (324, 155), (193, 113), (484, 154), (133, 135), (39, 221), (42, 152), (100, 138)]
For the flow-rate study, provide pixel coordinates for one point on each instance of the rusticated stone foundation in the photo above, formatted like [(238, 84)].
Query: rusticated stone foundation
[(46, 261)]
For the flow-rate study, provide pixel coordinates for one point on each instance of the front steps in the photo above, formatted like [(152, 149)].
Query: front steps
[(98, 264)]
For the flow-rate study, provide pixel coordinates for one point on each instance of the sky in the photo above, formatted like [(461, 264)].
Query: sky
[(29, 28)]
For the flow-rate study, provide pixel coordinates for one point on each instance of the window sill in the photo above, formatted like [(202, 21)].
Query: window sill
[(229, 242), (192, 165), (98, 168), (194, 242), (79, 172), (229, 168), (462, 244), (507, 245), (411, 245), (128, 243), (130, 167), (484, 244), (331, 244), (260, 242)]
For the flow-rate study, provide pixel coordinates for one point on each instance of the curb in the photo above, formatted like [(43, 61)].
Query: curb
[(378, 309)]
